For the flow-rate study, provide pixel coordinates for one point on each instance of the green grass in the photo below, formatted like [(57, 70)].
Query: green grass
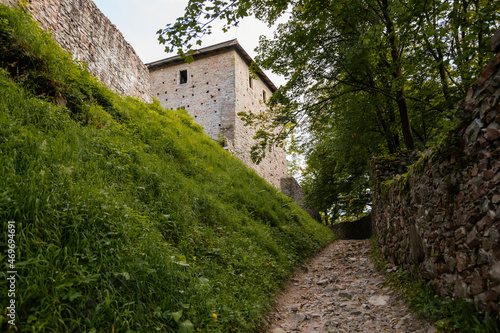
[(445, 314), (128, 217)]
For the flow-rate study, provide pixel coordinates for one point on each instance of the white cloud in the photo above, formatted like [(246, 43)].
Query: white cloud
[(139, 20)]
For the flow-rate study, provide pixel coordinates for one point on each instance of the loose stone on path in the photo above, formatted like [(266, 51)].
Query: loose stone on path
[(340, 290)]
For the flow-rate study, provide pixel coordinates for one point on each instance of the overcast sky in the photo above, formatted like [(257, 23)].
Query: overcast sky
[(139, 20)]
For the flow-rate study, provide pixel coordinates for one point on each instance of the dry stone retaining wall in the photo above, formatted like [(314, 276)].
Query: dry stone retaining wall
[(441, 220), (360, 229), (83, 30)]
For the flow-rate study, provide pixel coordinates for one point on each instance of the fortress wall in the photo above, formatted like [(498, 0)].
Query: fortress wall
[(83, 30), (273, 167), (441, 219)]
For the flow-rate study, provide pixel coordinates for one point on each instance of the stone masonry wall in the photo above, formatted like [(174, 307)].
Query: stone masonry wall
[(217, 88), (273, 167), (291, 188), (208, 95), (360, 229), (83, 30), (441, 220)]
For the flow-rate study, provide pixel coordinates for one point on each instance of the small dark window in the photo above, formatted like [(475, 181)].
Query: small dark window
[(264, 95), (249, 81), (183, 76)]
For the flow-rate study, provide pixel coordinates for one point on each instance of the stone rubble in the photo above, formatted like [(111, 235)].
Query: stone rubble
[(340, 290)]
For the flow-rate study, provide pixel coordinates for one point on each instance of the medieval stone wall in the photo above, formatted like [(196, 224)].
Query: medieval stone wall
[(250, 98), (360, 229), (208, 95), (291, 188), (83, 30), (217, 88), (441, 219)]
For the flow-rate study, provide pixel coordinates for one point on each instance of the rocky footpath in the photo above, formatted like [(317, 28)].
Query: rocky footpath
[(340, 290)]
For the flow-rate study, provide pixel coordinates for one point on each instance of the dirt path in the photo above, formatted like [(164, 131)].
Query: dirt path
[(340, 290)]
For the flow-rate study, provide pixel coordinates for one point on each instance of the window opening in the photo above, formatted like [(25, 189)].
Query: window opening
[(249, 81), (264, 95), (183, 76)]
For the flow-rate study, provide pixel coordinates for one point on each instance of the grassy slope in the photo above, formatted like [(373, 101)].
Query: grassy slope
[(128, 217)]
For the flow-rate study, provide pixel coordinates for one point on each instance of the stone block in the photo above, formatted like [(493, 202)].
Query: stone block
[(493, 131), (494, 272), (460, 233), (478, 284)]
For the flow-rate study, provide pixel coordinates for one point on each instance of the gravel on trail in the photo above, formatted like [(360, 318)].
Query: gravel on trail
[(340, 290)]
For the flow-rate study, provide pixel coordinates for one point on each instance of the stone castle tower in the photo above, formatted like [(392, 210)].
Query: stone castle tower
[(214, 88)]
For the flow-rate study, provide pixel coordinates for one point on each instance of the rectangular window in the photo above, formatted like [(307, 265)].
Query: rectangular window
[(264, 95), (183, 76), (249, 81)]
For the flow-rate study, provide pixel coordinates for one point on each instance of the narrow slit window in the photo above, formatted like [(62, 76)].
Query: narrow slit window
[(264, 95), (249, 81), (183, 76)]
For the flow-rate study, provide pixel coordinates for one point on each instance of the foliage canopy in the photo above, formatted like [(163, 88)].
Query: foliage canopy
[(366, 77)]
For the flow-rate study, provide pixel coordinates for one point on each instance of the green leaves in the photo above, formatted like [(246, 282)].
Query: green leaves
[(176, 316), (364, 77), (185, 326)]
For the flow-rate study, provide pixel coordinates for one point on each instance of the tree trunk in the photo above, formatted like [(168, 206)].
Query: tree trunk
[(397, 74), (405, 119)]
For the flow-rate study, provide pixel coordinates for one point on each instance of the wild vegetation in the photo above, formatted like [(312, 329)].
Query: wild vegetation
[(128, 217), (446, 314), (365, 78)]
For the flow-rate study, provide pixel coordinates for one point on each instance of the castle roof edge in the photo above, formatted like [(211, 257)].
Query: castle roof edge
[(216, 48)]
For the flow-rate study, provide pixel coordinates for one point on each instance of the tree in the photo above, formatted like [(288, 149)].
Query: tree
[(364, 75)]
